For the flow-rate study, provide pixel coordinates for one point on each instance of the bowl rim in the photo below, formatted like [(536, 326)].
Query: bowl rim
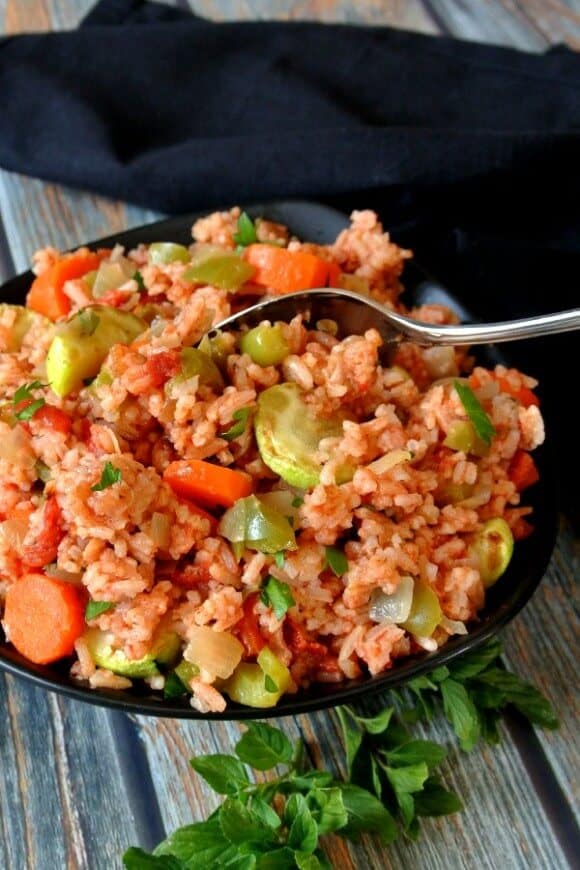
[(319, 696)]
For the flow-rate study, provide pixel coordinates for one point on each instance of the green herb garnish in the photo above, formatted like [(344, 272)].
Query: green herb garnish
[(89, 320), (246, 233), (138, 278), (109, 476), (95, 608), (270, 684), (297, 502), (277, 595), (336, 561), (279, 558), (174, 687), (481, 422), (239, 426), (30, 410), (392, 779), (25, 391)]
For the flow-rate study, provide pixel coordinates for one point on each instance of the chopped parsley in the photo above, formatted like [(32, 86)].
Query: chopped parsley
[(246, 233), (279, 559), (277, 595), (109, 476), (25, 391), (239, 426), (30, 410), (336, 561), (138, 278), (481, 422), (95, 608)]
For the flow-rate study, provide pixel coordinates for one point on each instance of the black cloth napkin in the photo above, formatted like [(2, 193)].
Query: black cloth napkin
[(470, 153)]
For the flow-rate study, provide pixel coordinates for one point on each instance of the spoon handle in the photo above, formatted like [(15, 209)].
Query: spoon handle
[(484, 333)]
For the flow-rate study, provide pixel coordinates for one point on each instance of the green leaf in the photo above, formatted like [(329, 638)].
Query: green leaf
[(439, 674), (239, 426), (489, 721), (173, 687), (366, 813), (138, 278), (137, 859), (277, 859), (486, 697), (302, 829), (461, 713), (328, 809), (376, 777), (29, 411), (89, 320), (407, 780), (277, 595), (525, 697), (240, 862), (419, 684), (406, 804), (481, 422), (224, 773), (416, 751), (307, 862), (375, 724), (246, 232), (435, 800), (263, 747), (308, 781), (240, 826), (25, 391), (198, 845), (336, 561), (262, 810), (472, 663), (95, 608), (109, 476), (352, 734)]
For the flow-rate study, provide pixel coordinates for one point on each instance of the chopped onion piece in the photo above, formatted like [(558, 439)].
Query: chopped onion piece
[(74, 577), (218, 653), (427, 643), (440, 362), (393, 609), (160, 530), (453, 626), (389, 460)]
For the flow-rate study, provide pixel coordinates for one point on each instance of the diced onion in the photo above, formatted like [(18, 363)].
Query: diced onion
[(389, 460), (393, 609), (440, 362), (76, 578), (160, 530), (216, 652), (14, 532), (453, 626)]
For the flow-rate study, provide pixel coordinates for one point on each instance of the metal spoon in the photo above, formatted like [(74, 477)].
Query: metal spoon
[(354, 314)]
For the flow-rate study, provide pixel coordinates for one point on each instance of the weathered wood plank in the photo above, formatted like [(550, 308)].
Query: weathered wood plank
[(63, 801)]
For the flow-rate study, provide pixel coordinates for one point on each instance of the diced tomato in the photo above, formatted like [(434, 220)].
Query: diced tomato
[(113, 298), (524, 395), (249, 629), (299, 641), (521, 529), (53, 418), (44, 549), (191, 576), (162, 366), (522, 470)]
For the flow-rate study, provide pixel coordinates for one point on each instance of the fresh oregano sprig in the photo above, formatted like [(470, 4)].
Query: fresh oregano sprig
[(391, 776)]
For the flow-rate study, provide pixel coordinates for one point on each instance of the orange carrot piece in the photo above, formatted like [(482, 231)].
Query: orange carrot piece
[(210, 484), (47, 295), (522, 471), (286, 271), (43, 617)]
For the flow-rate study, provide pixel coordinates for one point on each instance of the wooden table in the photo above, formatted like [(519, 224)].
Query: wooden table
[(79, 784)]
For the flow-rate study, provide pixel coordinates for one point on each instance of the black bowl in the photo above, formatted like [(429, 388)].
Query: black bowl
[(320, 224)]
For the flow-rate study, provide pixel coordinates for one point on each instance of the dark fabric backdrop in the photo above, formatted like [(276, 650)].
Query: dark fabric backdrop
[(470, 153)]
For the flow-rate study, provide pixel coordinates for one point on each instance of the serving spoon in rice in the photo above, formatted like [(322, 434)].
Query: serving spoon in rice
[(354, 314)]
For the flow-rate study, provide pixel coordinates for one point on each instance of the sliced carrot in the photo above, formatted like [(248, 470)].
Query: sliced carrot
[(286, 271), (47, 295), (43, 617), (210, 484), (43, 550), (522, 470), (524, 395), (249, 628)]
